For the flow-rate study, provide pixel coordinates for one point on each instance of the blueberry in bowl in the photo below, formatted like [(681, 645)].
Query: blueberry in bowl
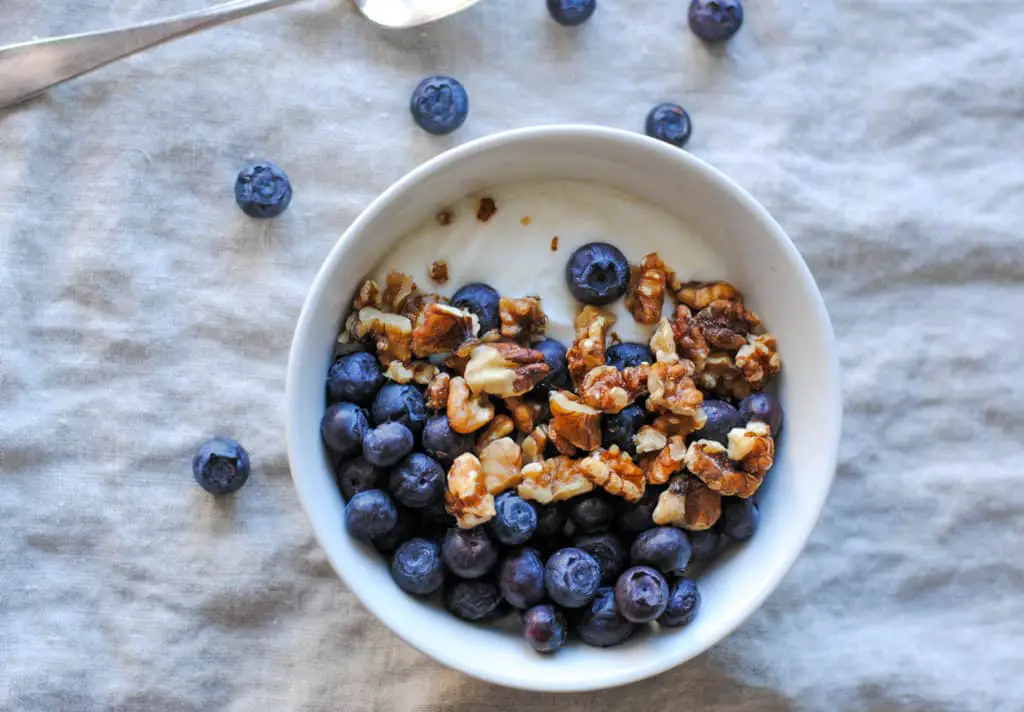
[(474, 601), (386, 444), (355, 378), (343, 428), (481, 300), (400, 403), (664, 548), (515, 520), (357, 475), (722, 417), (641, 594), (544, 628), (601, 624), (444, 444), (521, 578), (683, 604), (572, 577), (370, 514), (597, 273), (628, 354), (620, 428), (417, 481), (469, 553), (416, 567)]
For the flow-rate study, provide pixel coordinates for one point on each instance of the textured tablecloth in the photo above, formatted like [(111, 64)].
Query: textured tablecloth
[(141, 312)]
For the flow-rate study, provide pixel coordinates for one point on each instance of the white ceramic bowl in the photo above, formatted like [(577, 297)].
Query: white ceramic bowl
[(760, 259)]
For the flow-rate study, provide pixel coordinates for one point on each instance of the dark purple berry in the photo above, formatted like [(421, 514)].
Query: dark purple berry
[(397, 403), (763, 408), (416, 567), (475, 601), (638, 517), (521, 578), (601, 625), (482, 300), (641, 594), (572, 577), (571, 13), (469, 553), (387, 444), (592, 514), (439, 105), (515, 520), (404, 529), (357, 475), (722, 418), (555, 358), (705, 545), (263, 190), (370, 514), (443, 443), (597, 273), (343, 428), (417, 481), (220, 466), (683, 604), (544, 628), (620, 428), (715, 20), (665, 548), (670, 123), (740, 518), (628, 354), (355, 378), (609, 552)]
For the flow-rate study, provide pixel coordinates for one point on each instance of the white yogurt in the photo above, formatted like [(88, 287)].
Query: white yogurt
[(512, 251)]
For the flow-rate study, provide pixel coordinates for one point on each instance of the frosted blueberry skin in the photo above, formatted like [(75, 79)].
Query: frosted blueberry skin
[(683, 604), (764, 408), (664, 548), (608, 550), (221, 466), (740, 518), (469, 553), (597, 273), (417, 481), (572, 577), (416, 567), (357, 475), (571, 13), (355, 378), (443, 443), (721, 418), (715, 20), (641, 594), (514, 522), (263, 190), (481, 300), (474, 601), (343, 428), (670, 123), (398, 403), (386, 444), (439, 105), (600, 624), (521, 578), (370, 514), (544, 628)]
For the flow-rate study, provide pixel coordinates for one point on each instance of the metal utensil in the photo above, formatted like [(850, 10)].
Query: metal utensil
[(30, 68)]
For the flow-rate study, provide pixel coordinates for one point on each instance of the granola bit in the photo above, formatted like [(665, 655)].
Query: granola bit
[(486, 210), (707, 459), (698, 295), (573, 422), (553, 480), (442, 329), (759, 361), (649, 439), (663, 343), (439, 271), (397, 290), (522, 319), (397, 372), (501, 461), (533, 445), (467, 498), (645, 296), (437, 391), (367, 296), (391, 332), (752, 448), (673, 390), (525, 414), (725, 324), (467, 412), (497, 429), (688, 504), (445, 217), (525, 221), (667, 462), (690, 338), (604, 389), (615, 472), (504, 369), (554, 243), (588, 349)]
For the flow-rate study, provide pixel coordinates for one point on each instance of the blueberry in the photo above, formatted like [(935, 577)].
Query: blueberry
[(544, 628), (370, 514), (715, 20), (515, 520), (357, 475), (628, 353), (387, 444), (609, 552), (473, 600), (433, 521), (404, 529), (639, 516), (601, 624), (571, 12), (482, 300), (550, 520), (764, 408), (220, 466), (439, 105), (572, 577), (417, 481), (554, 356), (416, 567), (592, 514), (469, 553), (443, 443), (641, 594), (683, 604), (521, 578), (263, 190), (402, 404), (740, 518), (705, 545), (665, 548), (355, 378), (620, 428), (669, 123), (597, 273), (722, 418), (343, 428)]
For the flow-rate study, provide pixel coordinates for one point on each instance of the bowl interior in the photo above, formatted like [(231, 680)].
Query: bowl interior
[(759, 259)]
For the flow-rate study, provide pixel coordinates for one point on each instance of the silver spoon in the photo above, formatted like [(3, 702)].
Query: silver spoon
[(30, 68)]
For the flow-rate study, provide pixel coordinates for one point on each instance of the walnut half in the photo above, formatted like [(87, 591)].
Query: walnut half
[(467, 412), (573, 421), (553, 480), (502, 461), (505, 370), (707, 459), (391, 332), (725, 324), (522, 319), (753, 448), (667, 462), (688, 504), (759, 361), (673, 391), (442, 329), (615, 472), (467, 498)]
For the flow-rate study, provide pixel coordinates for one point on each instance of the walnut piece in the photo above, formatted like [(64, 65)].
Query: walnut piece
[(439, 271), (498, 428), (505, 370), (722, 376), (667, 462), (689, 338), (525, 414), (673, 390), (437, 391), (419, 372), (698, 295), (398, 372), (398, 287), (604, 389), (587, 350), (533, 445), (645, 297), (649, 439), (663, 343), (467, 412), (573, 421), (615, 472), (522, 319), (707, 459), (553, 480), (670, 424), (759, 361), (753, 448), (442, 329), (501, 461), (725, 324), (367, 296), (467, 498), (635, 378), (688, 504), (392, 334)]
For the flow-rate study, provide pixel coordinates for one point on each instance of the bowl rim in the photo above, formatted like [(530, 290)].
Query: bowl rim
[(830, 432)]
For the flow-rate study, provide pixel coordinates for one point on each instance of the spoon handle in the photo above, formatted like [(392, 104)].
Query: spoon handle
[(32, 67)]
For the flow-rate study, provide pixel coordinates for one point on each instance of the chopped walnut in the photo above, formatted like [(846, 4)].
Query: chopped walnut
[(725, 324), (688, 504), (698, 295), (759, 361), (391, 332), (553, 480), (689, 338), (498, 428), (671, 424), (663, 343), (367, 296), (501, 461), (615, 472), (442, 329), (467, 412), (419, 372), (645, 297), (423, 373), (525, 414), (667, 462), (504, 369), (416, 306), (522, 319), (439, 271), (604, 389), (708, 460), (649, 439), (635, 378), (673, 390), (722, 376), (467, 498), (587, 350), (398, 287), (752, 448), (533, 445), (398, 372), (574, 422), (437, 391)]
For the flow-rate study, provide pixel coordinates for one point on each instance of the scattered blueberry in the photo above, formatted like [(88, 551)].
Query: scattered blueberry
[(705, 545), (597, 273), (469, 553), (417, 481), (370, 514), (740, 518), (683, 604), (641, 594), (515, 520), (639, 517), (400, 403), (416, 567), (592, 514), (443, 443), (473, 600), (572, 577), (482, 300), (220, 466), (554, 356), (609, 552), (550, 520), (404, 529), (355, 378), (521, 578), (715, 20), (439, 105), (343, 428), (601, 624), (669, 123), (357, 475), (722, 418), (386, 444), (571, 12), (620, 428), (544, 628), (764, 408), (665, 548), (627, 354), (263, 190)]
